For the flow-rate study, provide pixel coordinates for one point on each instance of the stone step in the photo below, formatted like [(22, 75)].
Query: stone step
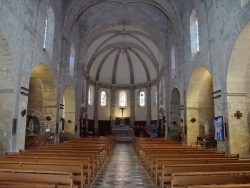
[(123, 139)]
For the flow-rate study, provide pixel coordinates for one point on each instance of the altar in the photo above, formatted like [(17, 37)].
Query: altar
[(123, 133)]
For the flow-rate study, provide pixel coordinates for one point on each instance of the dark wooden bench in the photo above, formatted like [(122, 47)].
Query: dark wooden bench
[(185, 179), (60, 179), (157, 169), (75, 169), (221, 186), (167, 170)]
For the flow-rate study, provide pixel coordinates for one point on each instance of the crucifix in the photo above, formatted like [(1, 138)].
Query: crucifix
[(122, 108)]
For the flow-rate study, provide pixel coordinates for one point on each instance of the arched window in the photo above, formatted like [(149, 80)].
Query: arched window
[(122, 99), (83, 92), (103, 98), (90, 95), (173, 62), (45, 32), (194, 34), (72, 61), (142, 98), (156, 98), (197, 35), (49, 29)]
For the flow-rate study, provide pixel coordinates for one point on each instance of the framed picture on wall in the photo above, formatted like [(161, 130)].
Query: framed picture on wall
[(219, 128)]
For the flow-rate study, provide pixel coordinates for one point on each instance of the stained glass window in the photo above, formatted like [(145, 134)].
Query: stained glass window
[(103, 98), (45, 32), (173, 62), (197, 35), (142, 98), (72, 61), (122, 99), (90, 95), (194, 34), (156, 98)]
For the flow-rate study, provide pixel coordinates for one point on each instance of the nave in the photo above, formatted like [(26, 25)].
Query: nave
[(122, 169)]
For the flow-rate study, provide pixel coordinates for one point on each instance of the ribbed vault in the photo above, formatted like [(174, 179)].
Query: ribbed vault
[(123, 42)]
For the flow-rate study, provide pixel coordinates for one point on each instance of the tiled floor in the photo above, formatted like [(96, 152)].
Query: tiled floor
[(122, 170)]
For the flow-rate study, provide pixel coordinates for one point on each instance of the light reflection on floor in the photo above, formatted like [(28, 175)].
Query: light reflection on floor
[(122, 170)]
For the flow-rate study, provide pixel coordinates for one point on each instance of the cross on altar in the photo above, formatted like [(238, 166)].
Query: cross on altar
[(122, 108), (238, 114)]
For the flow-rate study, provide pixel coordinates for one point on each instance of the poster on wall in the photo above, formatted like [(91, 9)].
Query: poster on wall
[(219, 129)]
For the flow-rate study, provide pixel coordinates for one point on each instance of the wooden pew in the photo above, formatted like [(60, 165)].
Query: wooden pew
[(84, 163), (61, 179), (157, 169), (155, 163), (167, 170), (94, 150), (201, 178), (75, 169), (221, 186), (99, 158), (25, 185), (151, 159)]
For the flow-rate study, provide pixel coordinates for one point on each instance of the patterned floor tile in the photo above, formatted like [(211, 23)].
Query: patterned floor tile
[(122, 170)]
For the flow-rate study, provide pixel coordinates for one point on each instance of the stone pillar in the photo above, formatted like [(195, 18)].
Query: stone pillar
[(96, 102), (132, 107), (238, 125), (112, 107), (64, 58), (148, 104)]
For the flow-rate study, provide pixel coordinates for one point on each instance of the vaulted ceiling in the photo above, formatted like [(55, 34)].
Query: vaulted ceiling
[(122, 41)]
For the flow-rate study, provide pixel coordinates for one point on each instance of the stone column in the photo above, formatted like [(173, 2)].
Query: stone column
[(148, 104), (64, 57), (112, 106), (132, 107), (96, 102)]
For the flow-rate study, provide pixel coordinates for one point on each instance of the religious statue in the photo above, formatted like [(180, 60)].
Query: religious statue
[(31, 126), (206, 127)]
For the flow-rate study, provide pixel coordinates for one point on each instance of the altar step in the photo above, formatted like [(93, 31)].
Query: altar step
[(123, 139)]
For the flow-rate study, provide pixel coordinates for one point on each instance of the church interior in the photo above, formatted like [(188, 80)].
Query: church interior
[(125, 75)]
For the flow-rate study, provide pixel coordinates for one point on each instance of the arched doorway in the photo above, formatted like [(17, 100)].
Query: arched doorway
[(42, 104), (69, 110), (200, 104), (174, 117), (238, 94), (7, 84)]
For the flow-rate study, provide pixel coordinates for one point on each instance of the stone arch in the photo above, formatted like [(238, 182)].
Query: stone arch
[(7, 83), (42, 98), (200, 104), (69, 110), (79, 6), (174, 117), (238, 93)]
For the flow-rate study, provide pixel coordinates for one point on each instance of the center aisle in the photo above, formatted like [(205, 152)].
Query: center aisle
[(122, 170)]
